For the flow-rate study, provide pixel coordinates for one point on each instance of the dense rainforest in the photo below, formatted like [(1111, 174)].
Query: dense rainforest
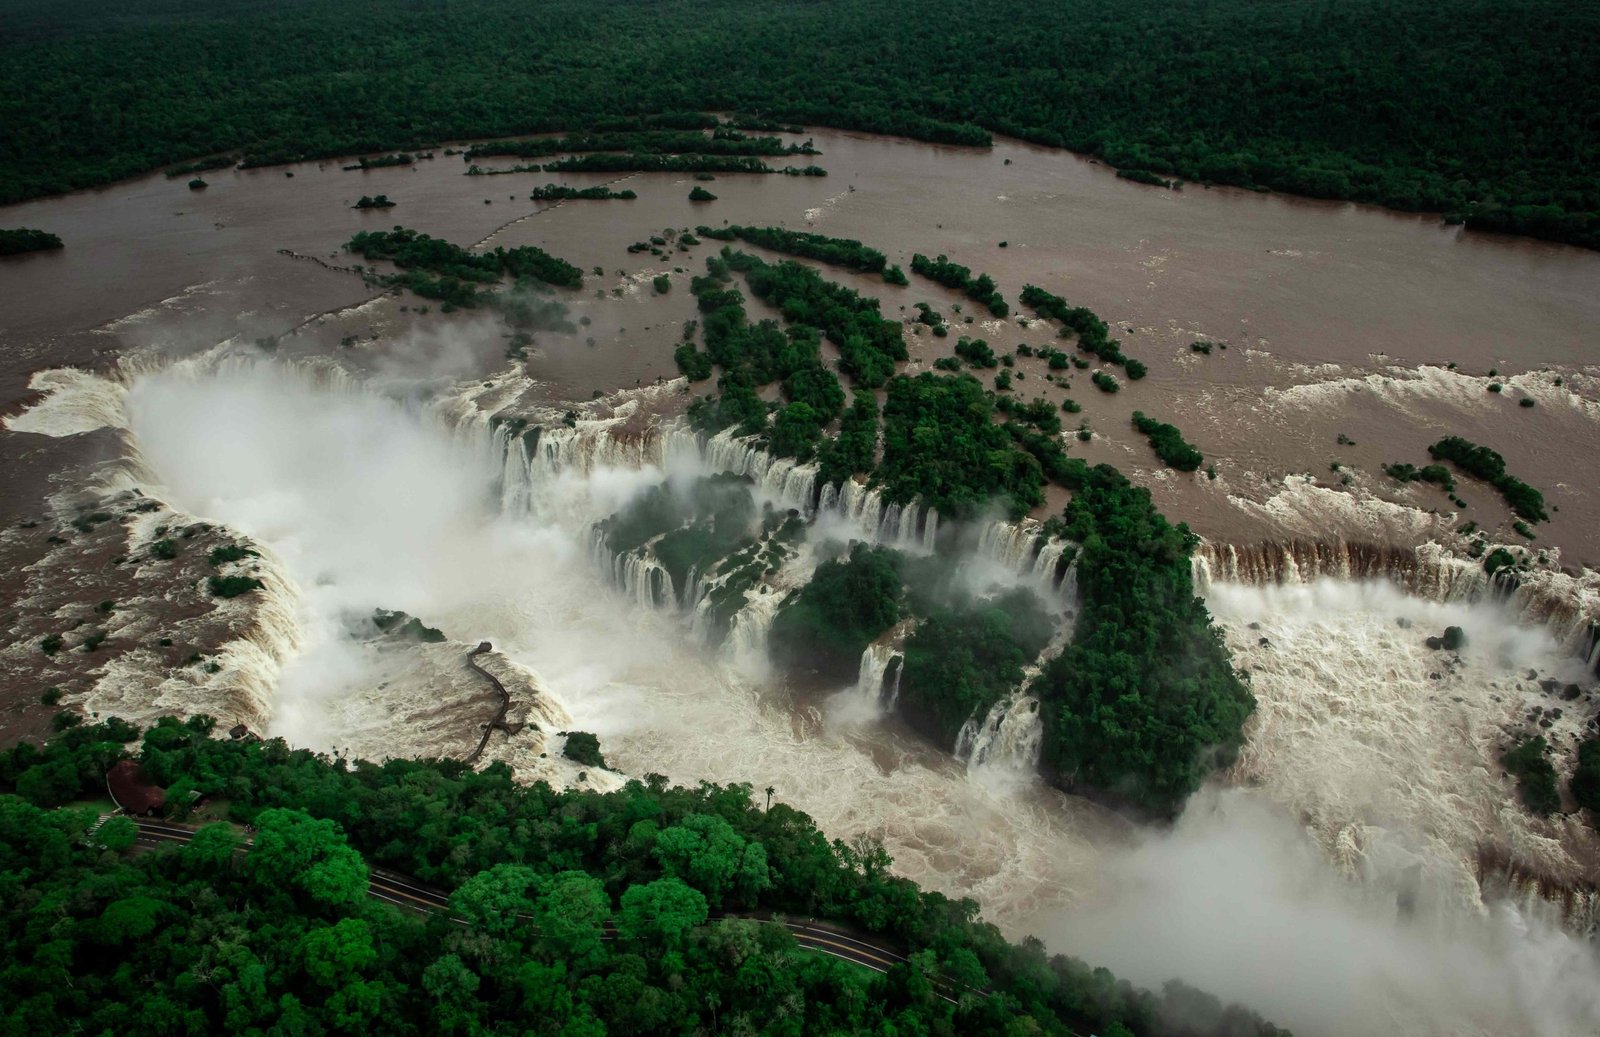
[(577, 913), (1488, 111)]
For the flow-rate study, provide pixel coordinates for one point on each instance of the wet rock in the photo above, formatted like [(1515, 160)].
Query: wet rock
[(1546, 722), (1533, 675), (1403, 623), (1434, 643), (1255, 626), (1436, 676), (1549, 685), (1571, 692), (1264, 643)]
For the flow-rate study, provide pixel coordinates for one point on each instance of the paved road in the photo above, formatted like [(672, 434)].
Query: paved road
[(405, 892)]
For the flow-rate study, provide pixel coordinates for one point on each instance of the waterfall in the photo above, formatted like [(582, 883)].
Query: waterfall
[(1008, 739), (747, 635), (782, 480), (1567, 605), (874, 681), (1022, 548)]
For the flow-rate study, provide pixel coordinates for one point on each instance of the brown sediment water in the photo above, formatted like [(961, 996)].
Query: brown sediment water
[(1340, 319)]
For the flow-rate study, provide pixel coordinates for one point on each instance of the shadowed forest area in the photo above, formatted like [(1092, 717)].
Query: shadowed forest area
[(1486, 112)]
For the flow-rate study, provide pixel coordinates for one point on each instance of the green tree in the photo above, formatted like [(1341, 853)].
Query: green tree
[(118, 834), (571, 913), (309, 855), (491, 900), (661, 911), (335, 954), (706, 852)]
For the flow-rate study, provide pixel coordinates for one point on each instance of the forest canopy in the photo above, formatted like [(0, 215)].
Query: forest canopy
[(1488, 111), (580, 913)]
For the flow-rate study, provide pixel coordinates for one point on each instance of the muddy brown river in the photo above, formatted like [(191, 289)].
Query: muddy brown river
[(1340, 320)]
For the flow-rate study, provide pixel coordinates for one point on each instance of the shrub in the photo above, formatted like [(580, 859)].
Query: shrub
[(1536, 778), (233, 586), (662, 283), (1586, 777), (583, 747), (700, 194), (1104, 382)]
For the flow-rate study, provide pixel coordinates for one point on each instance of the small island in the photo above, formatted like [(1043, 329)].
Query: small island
[(16, 241)]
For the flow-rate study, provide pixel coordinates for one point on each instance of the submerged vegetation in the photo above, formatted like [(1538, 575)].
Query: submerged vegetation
[(954, 275), (1168, 443), (457, 275), (1483, 463), (846, 252)]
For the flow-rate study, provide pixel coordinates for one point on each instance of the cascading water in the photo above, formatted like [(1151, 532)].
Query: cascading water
[(872, 679), (1567, 606), (1009, 738)]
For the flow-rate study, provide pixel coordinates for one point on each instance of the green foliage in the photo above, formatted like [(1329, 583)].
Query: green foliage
[(1586, 777), (1168, 443), (1536, 778), (976, 352), (846, 252), (557, 193), (165, 549), (1144, 176), (1104, 382), (700, 194), (705, 851), (1144, 702), (953, 275), (1094, 336), (963, 658), (230, 553), (232, 586), (1437, 474), (869, 344), (380, 202), (1412, 109), (681, 138), (826, 626), (14, 242), (406, 627), (418, 253), (583, 747), (1486, 464), (940, 447), (1499, 559), (855, 448), (662, 283), (293, 850), (110, 943)]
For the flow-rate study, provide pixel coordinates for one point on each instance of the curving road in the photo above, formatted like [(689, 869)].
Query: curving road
[(405, 892)]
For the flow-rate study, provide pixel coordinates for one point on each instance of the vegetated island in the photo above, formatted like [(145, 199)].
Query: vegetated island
[(1140, 623), (645, 910), (1483, 113), (17, 240)]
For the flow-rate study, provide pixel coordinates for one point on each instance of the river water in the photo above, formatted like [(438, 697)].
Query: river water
[(1340, 319)]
